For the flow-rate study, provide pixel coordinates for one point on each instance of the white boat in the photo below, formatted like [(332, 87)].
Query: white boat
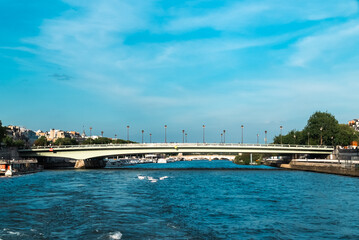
[(162, 160)]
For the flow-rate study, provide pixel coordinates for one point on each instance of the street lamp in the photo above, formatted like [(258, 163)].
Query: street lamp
[(128, 133), (294, 138), (265, 137), (150, 137), (332, 140), (91, 132), (101, 133), (142, 134), (224, 136), (308, 137), (185, 137), (165, 133), (203, 133), (242, 133), (221, 137), (257, 138), (182, 136), (321, 136), (281, 135), (115, 136)]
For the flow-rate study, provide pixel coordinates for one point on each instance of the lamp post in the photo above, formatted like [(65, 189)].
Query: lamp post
[(321, 136), (281, 135), (294, 138), (115, 136), (257, 138), (204, 141), (265, 137), (185, 137), (142, 134), (332, 140), (224, 136), (242, 133), (165, 133), (221, 137), (150, 137), (128, 133), (91, 132), (308, 137), (182, 136), (101, 133)]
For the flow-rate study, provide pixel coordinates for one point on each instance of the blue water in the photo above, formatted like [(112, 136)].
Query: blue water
[(196, 204)]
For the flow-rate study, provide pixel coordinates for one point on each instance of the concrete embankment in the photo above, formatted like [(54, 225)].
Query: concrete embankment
[(344, 168)]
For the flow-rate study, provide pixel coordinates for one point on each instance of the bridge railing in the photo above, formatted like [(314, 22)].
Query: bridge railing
[(186, 145)]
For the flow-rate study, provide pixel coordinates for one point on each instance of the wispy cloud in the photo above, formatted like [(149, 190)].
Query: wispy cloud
[(328, 45)]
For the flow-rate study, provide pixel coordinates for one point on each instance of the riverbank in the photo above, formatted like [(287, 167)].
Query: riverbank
[(345, 168)]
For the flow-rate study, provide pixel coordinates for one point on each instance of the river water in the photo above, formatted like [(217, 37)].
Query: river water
[(220, 203)]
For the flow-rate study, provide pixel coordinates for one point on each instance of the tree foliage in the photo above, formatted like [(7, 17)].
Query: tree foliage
[(42, 141), (245, 158), (2, 132), (10, 142), (321, 125), (104, 140), (65, 141)]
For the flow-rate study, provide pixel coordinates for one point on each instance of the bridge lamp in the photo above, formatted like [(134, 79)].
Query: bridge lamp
[(150, 137), (101, 133), (332, 140), (128, 133), (281, 135), (221, 137), (265, 137), (90, 131), (185, 136), (224, 136), (203, 133), (165, 133), (142, 135), (242, 133), (321, 136), (308, 137), (257, 138), (294, 138), (115, 136), (182, 136)]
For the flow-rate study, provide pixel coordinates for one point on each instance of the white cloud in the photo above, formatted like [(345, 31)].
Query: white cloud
[(328, 45), (245, 14)]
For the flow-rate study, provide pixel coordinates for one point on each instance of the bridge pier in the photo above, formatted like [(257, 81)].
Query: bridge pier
[(92, 163)]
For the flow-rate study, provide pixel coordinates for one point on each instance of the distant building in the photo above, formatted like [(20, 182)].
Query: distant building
[(21, 133), (354, 123)]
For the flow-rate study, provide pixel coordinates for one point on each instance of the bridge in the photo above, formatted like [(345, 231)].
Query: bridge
[(96, 152)]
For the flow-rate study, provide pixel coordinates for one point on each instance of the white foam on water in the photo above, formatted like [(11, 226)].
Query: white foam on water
[(116, 235), (13, 233), (164, 177), (141, 177)]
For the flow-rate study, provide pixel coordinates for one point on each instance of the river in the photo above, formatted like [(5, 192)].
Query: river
[(223, 201)]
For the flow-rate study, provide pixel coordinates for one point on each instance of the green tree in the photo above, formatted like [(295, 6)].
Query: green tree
[(2, 132), (321, 125), (42, 141), (245, 158), (65, 141), (10, 142), (346, 135)]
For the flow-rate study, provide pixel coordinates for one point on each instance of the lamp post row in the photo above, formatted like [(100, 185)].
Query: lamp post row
[(223, 135)]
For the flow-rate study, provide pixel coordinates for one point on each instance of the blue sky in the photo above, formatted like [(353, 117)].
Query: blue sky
[(108, 64)]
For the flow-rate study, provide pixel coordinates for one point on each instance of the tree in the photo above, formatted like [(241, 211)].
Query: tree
[(42, 141), (10, 142), (245, 158), (65, 141), (346, 135), (2, 132), (322, 125)]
